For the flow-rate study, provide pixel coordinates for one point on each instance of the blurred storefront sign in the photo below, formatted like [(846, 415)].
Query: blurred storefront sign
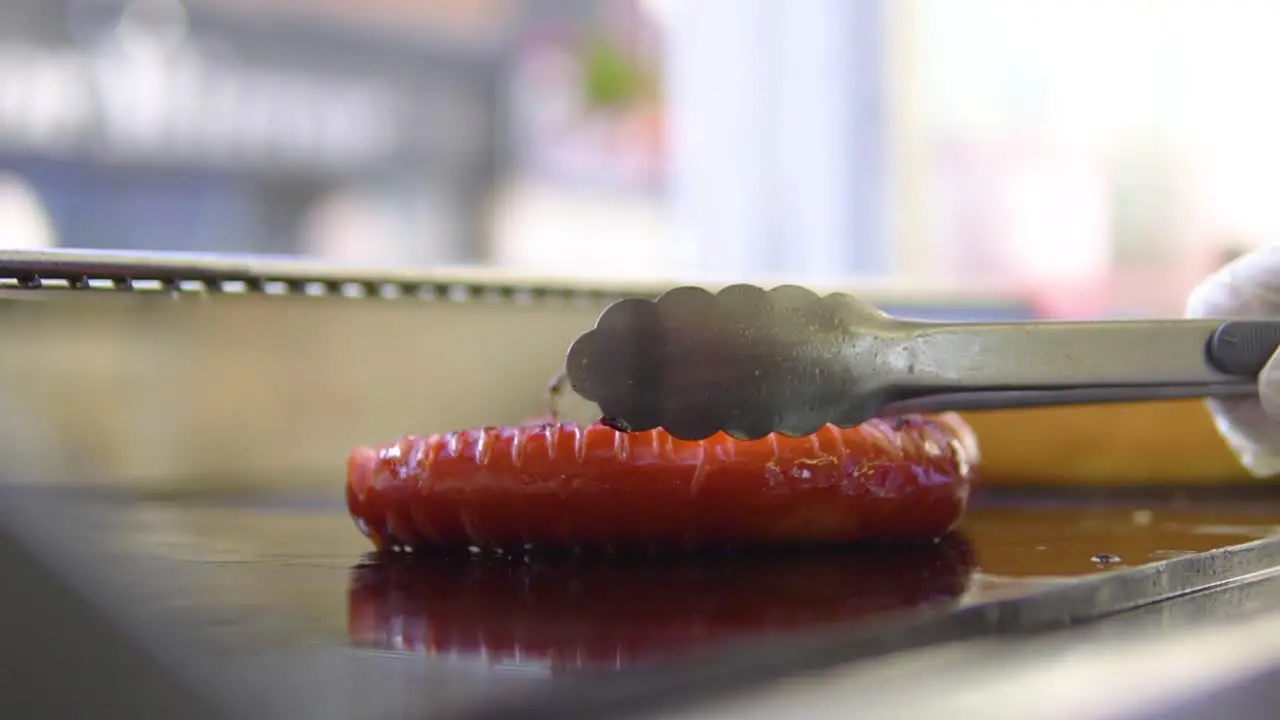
[(471, 22), (215, 92), (154, 124), (182, 106)]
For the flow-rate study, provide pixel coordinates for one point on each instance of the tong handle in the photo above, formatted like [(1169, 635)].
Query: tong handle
[(1243, 347)]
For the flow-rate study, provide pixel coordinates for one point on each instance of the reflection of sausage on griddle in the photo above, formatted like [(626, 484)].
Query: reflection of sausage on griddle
[(590, 485), (598, 611)]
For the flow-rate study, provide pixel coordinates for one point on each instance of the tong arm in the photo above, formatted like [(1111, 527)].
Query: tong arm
[(1047, 356), (1004, 399)]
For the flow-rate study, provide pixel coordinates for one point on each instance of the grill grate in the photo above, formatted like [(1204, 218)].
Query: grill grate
[(183, 274), (190, 274)]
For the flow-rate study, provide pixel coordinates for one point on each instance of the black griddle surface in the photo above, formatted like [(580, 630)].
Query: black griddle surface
[(280, 592)]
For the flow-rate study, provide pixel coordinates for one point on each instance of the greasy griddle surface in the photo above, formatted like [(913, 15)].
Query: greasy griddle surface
[(283, 591)]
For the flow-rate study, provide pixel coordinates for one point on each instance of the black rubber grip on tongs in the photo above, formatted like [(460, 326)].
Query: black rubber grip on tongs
[(1243, 347)]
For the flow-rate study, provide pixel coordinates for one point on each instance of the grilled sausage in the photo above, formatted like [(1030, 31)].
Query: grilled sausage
[(564, 484)]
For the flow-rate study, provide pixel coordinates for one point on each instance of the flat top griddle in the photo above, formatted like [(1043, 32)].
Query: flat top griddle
[(277, 595)]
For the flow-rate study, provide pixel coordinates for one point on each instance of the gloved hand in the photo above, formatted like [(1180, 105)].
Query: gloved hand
[(1247, 287)]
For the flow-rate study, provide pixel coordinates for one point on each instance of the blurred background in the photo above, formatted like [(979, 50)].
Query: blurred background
[(1098, 155)]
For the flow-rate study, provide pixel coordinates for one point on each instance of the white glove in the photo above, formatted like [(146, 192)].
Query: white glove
[(1247, 287)]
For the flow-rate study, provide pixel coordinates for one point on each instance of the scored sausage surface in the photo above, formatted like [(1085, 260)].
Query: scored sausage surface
[(564, 484)]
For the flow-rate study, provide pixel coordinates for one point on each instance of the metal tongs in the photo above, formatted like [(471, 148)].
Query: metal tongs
[(750, 362)]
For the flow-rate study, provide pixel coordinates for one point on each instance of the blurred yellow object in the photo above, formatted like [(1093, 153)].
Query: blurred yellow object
[(1168, 442)]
